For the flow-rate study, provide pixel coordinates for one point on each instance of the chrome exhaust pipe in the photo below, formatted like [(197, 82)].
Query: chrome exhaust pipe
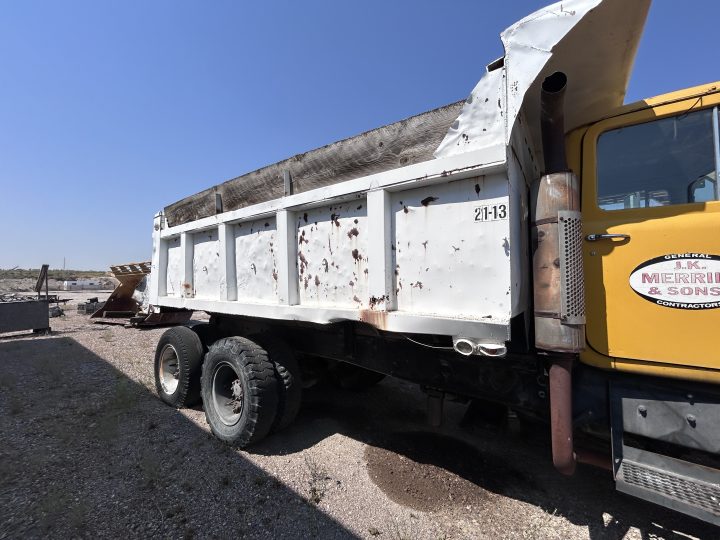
[(471, 346)]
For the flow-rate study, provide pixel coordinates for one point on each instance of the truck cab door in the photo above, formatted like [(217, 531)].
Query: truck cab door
[(651, 211)]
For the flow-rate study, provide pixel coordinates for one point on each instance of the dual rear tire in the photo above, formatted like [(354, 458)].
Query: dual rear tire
[(247, 391), (240, 391)]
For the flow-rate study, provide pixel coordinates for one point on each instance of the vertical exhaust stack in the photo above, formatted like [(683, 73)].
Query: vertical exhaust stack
[(557, 234), (557, 270)]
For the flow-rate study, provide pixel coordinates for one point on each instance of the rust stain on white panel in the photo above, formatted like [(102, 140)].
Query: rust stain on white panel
[(451, 249), (174, 276), (332, 255), (207, 268), (256, 255), (378, 319)]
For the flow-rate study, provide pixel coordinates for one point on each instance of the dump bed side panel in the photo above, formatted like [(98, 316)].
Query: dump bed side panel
[(425, 256), (255, 259), (452, 248), (332, 258)]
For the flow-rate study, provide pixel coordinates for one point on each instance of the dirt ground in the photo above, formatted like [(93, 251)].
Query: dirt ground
[(88, 450)]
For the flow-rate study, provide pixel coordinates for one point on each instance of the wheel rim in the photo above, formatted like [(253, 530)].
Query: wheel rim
[(227, 394), (169, 369)]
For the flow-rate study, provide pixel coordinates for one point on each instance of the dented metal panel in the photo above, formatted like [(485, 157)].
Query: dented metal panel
[(256, 255), (332, 258), (174, 276), (452, 249), (593, 41), (206, 264), (432, 255)]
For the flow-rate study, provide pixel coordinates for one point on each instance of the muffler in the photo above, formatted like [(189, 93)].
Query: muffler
[(559, 295)]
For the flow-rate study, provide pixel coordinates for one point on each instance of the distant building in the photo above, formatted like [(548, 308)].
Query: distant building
[(82, 285)]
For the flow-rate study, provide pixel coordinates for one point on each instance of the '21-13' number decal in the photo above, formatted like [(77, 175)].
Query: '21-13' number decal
[(490, 212)]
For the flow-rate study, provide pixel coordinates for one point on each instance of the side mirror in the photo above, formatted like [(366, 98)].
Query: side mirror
[(702, 189)]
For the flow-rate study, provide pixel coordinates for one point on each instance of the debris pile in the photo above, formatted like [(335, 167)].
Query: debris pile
[(89, 307), (130, 300)]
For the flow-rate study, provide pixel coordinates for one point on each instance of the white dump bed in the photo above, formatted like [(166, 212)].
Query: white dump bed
[(437, 247), (427, 255)]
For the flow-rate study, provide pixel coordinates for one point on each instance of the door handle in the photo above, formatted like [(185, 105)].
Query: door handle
[(596, 237)]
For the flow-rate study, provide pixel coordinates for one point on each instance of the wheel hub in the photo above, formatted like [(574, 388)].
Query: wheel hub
[(228, 396), (237, 393), (169, 372)]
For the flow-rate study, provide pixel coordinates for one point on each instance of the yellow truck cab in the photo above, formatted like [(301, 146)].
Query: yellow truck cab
[(651, 252), (649, 177)]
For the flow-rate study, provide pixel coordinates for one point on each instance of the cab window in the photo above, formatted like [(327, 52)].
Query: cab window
[(659, 163)]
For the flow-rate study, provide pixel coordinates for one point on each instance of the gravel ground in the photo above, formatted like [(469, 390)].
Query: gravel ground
[(88, 450)]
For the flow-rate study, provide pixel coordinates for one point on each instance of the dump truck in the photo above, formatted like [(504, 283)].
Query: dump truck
[(539, 246)]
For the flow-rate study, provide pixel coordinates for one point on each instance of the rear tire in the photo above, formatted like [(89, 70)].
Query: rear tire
[(289, 378), (239, 391), (178, 359)]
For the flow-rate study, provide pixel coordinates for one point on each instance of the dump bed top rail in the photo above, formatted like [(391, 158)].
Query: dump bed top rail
[(409, 141)]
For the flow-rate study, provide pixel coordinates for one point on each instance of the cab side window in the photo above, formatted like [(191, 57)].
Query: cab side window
[(659, 163)]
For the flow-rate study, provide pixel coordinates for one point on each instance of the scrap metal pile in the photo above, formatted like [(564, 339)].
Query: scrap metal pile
[(25, 312)]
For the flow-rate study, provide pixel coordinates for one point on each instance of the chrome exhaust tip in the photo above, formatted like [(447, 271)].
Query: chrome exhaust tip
[(470, 346)]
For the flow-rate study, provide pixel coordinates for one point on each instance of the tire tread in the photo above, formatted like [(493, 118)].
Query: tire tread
[(289, 379)]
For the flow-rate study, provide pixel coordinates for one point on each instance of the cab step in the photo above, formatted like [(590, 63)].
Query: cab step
[(659, 416), (673, 483)]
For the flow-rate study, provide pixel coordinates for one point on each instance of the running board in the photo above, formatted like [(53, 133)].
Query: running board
[(679, 485)]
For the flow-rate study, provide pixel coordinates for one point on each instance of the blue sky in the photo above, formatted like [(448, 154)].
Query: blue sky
[(109, 110)]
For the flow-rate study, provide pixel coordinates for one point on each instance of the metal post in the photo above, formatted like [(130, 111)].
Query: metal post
[(287, 270), (287, 182)]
